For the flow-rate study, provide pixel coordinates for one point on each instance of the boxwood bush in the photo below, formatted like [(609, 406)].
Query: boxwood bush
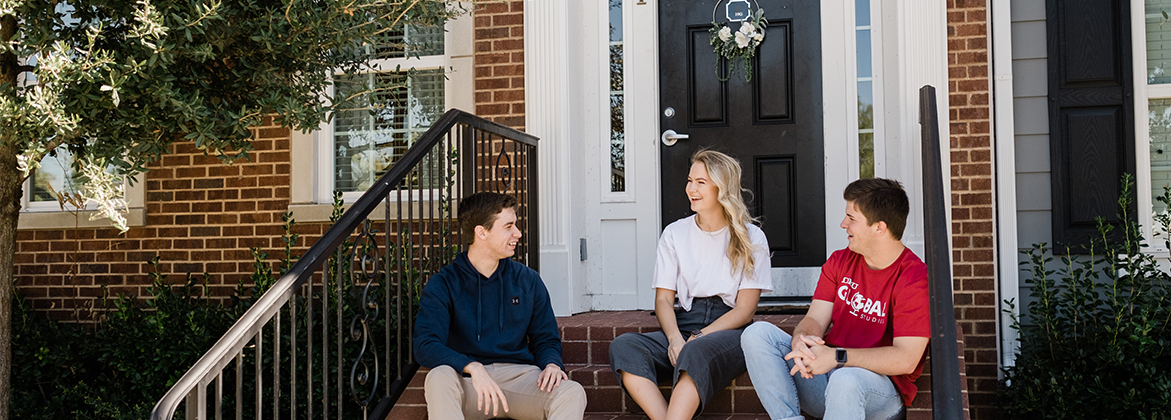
[(1095, 344)]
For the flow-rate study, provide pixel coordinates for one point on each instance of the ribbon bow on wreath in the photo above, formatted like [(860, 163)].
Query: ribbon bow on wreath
[(738, 46)]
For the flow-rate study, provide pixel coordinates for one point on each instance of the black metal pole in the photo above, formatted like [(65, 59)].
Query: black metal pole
[(945, 365)]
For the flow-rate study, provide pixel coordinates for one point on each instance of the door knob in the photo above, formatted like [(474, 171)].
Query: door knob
[(670, 137)]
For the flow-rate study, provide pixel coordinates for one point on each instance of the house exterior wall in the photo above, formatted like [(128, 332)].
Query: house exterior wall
[(204, 216), (973, 266)]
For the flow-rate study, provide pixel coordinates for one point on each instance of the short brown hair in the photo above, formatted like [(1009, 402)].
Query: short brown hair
[(481, 209), (881, 200)]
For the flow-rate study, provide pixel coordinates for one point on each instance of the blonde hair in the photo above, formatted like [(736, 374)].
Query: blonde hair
[(725, 172)]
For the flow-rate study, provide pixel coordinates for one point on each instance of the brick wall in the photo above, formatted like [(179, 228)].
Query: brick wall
[(499, 62), (202, 216), (972, 204)]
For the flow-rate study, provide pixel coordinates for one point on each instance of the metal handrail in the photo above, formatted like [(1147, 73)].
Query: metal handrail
[(209, 367)]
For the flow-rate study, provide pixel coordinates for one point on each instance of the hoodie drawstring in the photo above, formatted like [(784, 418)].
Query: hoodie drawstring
[(480, 303), (503, 304), (479, 307)]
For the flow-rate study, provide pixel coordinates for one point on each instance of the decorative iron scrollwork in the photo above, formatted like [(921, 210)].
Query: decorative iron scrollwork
[(504, 172), (364, 253)]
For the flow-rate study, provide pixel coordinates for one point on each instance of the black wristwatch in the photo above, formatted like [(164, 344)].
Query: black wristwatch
[(840, 356), (697, 333)]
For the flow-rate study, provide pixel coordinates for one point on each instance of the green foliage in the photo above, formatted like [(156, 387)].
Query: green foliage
[(1096, 344), (119, 368), (117, 81)]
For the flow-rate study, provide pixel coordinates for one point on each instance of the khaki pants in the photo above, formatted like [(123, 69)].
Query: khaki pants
[(451, 396)]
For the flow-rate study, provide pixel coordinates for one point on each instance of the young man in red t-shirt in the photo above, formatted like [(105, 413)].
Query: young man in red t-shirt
[(859, 349)]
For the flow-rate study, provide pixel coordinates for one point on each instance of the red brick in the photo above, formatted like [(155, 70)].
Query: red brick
[(176, 161), (491, 84), (494, 8), (508, 45), (492, 33), (973, 113)]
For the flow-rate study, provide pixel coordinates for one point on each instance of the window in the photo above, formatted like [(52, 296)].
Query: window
[(866, 86), (868, 71), (617, 90), (392, 108), (54, 177), (383, 126), (40, 208), (420, 72), (1153, 93)]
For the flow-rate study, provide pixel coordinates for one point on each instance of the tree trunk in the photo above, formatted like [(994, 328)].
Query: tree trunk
[(10, 195), (10, 198)]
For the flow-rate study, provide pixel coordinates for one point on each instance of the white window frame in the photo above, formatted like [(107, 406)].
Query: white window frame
[(628, 195), (312, 190), (1143, 93)]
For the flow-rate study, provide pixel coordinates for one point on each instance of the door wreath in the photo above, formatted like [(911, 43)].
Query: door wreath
[(740, 46)]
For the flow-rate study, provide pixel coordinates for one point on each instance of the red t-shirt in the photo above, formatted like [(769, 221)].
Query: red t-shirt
[(872, 307)]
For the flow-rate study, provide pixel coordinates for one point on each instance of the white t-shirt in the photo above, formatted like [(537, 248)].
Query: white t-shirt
[(695, 263)]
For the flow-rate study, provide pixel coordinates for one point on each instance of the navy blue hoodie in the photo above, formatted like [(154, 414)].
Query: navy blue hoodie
[(505, 318)]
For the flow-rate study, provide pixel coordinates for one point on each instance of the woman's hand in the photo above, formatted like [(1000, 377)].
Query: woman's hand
[(674, 347)]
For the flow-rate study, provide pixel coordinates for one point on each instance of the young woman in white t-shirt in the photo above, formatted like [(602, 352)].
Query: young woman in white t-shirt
[(717, 263)]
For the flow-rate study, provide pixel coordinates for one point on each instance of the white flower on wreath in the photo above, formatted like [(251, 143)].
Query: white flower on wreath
[(758, 38), (741, 40), (725, 33), (747, 28)]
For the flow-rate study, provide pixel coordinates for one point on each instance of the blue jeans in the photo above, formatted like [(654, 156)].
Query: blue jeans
[(845, 393)]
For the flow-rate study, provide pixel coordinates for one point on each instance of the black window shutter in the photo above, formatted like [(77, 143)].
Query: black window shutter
[(1091, 113)]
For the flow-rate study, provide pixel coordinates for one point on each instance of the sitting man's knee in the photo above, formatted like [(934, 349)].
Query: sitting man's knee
[(441, 377), (847, 381), (762, 335), (570, 389)]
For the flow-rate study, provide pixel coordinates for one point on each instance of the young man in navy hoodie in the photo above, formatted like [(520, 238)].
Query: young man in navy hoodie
[(486, 328)]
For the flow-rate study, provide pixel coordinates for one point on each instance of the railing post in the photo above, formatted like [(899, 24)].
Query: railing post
[(945, 367), (534, 222)]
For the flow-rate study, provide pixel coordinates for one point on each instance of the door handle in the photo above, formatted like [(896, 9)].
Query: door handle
[(669, 137)]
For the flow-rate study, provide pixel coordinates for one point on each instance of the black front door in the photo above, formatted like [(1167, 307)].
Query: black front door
[(772, 124)]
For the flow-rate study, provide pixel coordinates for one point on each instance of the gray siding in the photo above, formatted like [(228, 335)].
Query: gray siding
[(1031, 128)]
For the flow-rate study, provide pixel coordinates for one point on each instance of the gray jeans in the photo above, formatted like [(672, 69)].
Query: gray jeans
[(712, 361)]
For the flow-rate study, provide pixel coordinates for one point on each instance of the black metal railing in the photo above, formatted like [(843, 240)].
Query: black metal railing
[(945, 366), (332, 337)]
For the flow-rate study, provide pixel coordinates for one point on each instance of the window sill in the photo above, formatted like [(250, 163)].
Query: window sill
[(320, 213), (29, 220)]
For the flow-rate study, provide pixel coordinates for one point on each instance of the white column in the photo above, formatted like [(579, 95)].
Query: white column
[(546, 116), (920, 52)]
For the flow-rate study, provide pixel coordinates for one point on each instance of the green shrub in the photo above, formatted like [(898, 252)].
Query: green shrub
[(120, 367), (1096, 344)]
